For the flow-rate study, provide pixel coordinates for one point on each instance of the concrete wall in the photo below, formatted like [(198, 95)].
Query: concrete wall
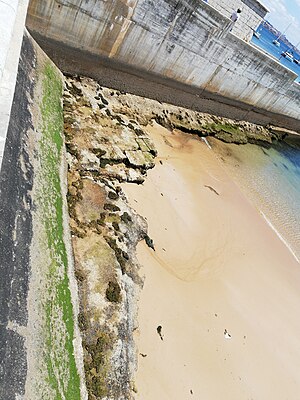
[(253, 12), (187, 41), (39, 340), (12, 14)]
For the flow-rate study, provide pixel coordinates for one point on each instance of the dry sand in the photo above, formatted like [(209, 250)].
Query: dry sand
[(217, 267)]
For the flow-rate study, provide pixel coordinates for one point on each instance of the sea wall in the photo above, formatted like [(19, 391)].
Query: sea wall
[(13, 14), (186, 41), (40, 347)]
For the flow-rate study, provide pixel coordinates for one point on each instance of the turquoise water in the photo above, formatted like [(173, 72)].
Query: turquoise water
[(273, 174), (270, 178), (265, 43)]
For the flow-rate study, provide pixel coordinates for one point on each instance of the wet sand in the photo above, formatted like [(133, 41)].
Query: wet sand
[(221, 285)]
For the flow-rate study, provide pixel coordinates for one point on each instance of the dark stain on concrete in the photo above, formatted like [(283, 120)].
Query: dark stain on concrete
[(16, 181)]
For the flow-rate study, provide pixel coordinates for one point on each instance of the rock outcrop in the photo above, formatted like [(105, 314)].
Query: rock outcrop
[(104, 150)]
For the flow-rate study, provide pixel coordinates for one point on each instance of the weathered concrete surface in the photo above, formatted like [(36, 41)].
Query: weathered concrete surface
[(13, 14), (185, 41), (253, 12), (15, 236), (40, 344)]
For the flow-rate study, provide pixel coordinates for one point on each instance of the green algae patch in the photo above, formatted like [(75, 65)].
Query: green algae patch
[(113, 292), (223, 127), (96, 373), (98, 260), (227, 132), (62, 374), (228, 128)]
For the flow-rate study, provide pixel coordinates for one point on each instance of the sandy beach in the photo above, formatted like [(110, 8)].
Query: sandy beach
[(218, 314)]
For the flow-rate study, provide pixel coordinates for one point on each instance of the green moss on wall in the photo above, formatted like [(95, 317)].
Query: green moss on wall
[(62, 374)]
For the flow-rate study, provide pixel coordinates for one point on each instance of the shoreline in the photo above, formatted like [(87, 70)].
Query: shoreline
[(284, 241), (242, 297), (208, 259), (246, 166)]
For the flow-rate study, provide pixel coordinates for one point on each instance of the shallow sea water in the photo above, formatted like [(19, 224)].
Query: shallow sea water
[(270, 179)]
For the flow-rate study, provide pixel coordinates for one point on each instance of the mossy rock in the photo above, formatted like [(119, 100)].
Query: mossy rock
[(118, 253), (238, 138), (98, 152), (140, 159), (96, 368), (113, 196), (116, 226), (82, 321), (113, 292), (113, 218), (126, 218), (111, 207)]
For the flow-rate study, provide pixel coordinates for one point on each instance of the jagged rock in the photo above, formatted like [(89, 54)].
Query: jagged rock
[(140, 159), (134, 176), (238, 138), (259, 136), (127, 139), (141, 144), (73, 176), (85, 110), (113, 292), (185, 121), (113, 153), (113, 195), (71, 160), (118, 172), (91, 202), (88, 160), (281, 133), (146, 145), (72, 190), (126, 218), (149, 242)]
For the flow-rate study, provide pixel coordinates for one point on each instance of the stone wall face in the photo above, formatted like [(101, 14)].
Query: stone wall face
[(250, 18), (186, 41)]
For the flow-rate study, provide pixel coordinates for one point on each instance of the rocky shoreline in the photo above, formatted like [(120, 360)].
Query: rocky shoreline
[(105, 149), (107, 144)]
